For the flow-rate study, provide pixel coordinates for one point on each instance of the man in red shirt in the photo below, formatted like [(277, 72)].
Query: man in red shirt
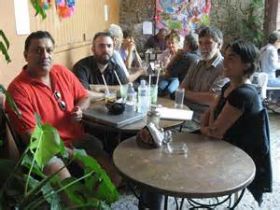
[(56, 95)]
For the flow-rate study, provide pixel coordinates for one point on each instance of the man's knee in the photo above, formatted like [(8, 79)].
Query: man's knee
[(91, 144), (55, 164)]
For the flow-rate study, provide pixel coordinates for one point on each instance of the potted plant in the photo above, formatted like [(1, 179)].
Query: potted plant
[(25, 186)]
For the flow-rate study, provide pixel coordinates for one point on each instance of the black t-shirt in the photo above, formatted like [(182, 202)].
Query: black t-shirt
[(88, 72), (250, 133), (246, 99)]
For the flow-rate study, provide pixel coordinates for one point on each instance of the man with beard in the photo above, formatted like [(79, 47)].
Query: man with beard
[(205, 79), (56, 95), (89, 70)]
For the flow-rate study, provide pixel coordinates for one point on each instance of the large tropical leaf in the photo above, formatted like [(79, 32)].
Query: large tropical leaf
[(52, 199), (45, 143), (100, 185)]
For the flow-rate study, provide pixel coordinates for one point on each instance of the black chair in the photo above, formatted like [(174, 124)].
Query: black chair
[(16, 138)]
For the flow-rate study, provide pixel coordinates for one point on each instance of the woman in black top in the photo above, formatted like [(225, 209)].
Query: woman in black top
[(239, 116)]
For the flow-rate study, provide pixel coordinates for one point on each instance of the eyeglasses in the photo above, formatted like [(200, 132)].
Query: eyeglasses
[(61, 103)]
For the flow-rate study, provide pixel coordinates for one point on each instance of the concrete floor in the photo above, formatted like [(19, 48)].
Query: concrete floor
[(271, 200)]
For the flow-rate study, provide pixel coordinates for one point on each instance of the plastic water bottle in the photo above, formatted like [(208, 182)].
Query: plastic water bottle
[(131, 100), (143, 97)]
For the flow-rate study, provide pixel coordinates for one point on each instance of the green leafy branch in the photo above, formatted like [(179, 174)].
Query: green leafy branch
[(4, 46), (96, 191), (10, 101), (24, 185)]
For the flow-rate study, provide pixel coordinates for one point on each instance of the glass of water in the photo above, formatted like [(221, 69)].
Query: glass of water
[(153, 94), (179, 98)]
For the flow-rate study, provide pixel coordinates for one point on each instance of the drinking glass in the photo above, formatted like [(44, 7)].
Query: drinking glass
[(153, 94), (110, 97), (123, 91), (179, 98)]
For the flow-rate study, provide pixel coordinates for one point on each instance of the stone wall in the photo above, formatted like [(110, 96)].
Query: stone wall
[(132, 15)]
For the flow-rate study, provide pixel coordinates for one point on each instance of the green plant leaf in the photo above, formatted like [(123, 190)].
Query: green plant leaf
[(27, 163), (4, 51), (105, 190), (53, 199), (4, 48), (2, 34), (29, 199), (45, 143), (77, 192), (10, 101), (82, 197)]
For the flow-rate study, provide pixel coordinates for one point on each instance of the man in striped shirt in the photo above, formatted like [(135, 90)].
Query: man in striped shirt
[(205, 79)]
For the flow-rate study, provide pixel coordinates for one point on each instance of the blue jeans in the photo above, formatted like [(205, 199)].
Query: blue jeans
[(169, 85)]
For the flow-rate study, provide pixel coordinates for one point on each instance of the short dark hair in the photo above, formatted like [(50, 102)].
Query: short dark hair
[(162, 30), (102, 34), (273, 37), (127, 34), (213, 32), (192, 40), (248, 53), (37, 35)]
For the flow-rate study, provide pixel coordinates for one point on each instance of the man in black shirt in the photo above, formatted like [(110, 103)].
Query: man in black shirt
[(89, 70)]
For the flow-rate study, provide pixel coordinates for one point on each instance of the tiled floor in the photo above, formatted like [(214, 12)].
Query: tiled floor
[(271, 200)]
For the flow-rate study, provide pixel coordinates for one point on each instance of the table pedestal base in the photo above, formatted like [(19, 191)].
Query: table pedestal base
[(209, 203)]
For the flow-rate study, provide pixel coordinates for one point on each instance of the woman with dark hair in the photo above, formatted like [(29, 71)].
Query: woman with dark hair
[(239, 116)]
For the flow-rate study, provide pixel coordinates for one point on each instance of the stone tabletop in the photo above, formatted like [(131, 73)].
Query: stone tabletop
[(210, 168)]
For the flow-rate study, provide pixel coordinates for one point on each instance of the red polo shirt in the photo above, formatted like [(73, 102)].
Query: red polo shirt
[(32, 96)]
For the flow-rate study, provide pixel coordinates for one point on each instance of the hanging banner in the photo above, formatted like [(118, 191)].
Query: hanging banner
[(182, 15)]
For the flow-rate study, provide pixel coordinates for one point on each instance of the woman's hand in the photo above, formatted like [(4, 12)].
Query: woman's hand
[(211, 131), (204, 130)]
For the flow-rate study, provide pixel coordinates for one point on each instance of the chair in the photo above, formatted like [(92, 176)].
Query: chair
[(262, 82), (260, 79), (260, 151), (14, 143)]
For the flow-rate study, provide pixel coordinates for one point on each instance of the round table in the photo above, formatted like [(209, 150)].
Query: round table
[(211, 167)]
